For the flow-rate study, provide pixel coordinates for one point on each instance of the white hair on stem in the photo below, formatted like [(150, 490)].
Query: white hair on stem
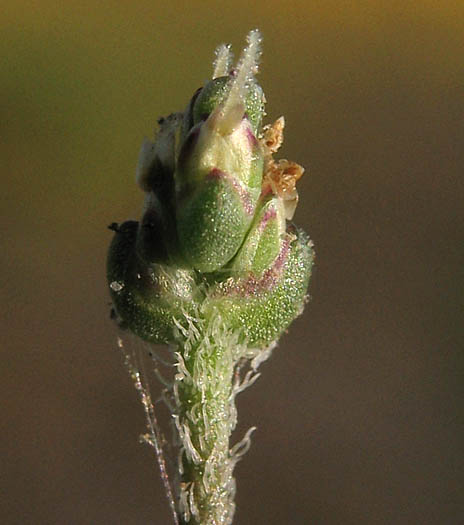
[(242, 447)]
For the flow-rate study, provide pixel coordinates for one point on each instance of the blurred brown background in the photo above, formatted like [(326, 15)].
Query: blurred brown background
[(359, 411)]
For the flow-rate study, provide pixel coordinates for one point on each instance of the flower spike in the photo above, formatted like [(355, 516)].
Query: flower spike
[(212, 268)]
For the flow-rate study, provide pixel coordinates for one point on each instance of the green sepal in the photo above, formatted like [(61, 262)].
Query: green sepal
[(263, 241), (211, 223)]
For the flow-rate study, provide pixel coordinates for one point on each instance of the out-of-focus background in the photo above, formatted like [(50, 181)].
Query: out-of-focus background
[(359, 411)]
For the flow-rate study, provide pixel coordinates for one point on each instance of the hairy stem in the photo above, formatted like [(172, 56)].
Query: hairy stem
[(205, 394)]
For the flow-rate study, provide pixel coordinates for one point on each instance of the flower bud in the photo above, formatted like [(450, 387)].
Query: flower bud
[(220, 167)]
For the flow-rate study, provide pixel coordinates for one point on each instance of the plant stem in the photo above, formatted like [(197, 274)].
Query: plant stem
[(205, 395)]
